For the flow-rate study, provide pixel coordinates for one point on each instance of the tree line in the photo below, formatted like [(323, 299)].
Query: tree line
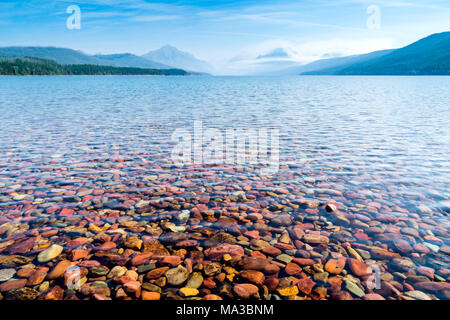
[(41, 67)]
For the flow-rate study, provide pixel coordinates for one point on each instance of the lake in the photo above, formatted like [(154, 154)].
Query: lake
[(157, 173)]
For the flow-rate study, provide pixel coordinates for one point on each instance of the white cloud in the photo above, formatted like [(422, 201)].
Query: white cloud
[(151, 18)]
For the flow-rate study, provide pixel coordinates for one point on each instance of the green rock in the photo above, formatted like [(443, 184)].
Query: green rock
[(195, 281), (354, 289), (321, 277), (177, 276), (284, 258), (419, 295), (151, 287), (50, 253)]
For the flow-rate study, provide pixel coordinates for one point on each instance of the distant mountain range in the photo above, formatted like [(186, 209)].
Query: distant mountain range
[(178, 59), (165, 58), (428, 56), (71, 57)]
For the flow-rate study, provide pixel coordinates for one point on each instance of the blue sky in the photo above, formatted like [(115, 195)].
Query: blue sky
[(219, 30)]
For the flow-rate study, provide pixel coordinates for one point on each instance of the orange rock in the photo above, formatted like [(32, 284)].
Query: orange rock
[(271, 283), (77, 242), (383, 254), (59, 269), (11, 285), (25, 272), (272, 251), (209, 283), (293, 269), (335, 283), (55, 293), (133, 287), (303, 262), (146, 295), (141, 259), (306, 285), (36, 278), (254, 276), (156, 273), (79, 254), (171, 260), (359, 268), (335, 266)]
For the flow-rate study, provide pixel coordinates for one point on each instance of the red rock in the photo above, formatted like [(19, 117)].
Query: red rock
[(209, 283), (293, 269), (315, 239), (77, 242), (254, 234), (272, 251), (89, 263), (66, 212), (303, 262), (373, 296), (25, 272), (79, 254), (21, 247), (216, 253), (383, 254), (408, 287), (55, 293), (260, 264), (150, 296), (11, 285), (187, 244), (387, 289), (271, 283), (245, 290), (306, 285), (156, 273), (141, 259), (171, 260), (296, 233), (361, 236), (48, 234), (359, 268), (133, 287), (421, 248), (106, 246), (335, 266), (403, 246), (89, 290), (36, 278), (425, 271), (335, 283), (254, 276)]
